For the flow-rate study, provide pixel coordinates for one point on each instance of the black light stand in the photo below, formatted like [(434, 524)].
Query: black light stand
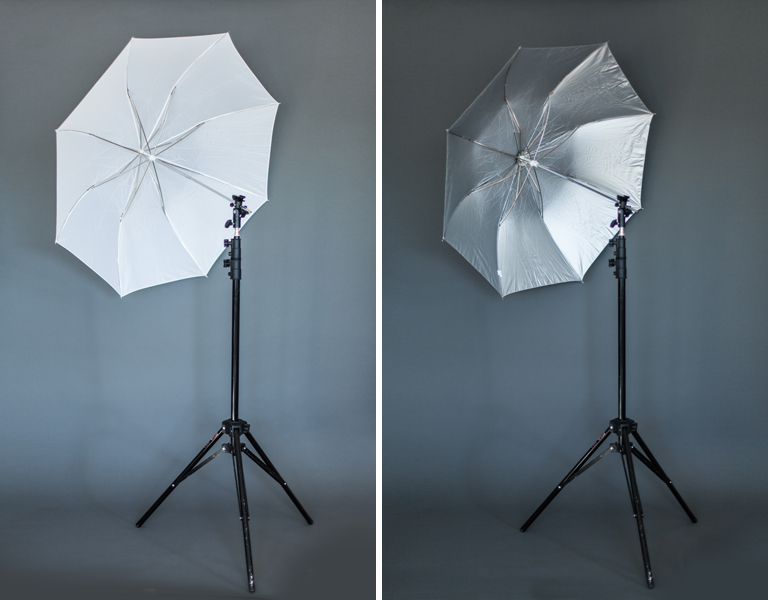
[(234, 427), (621, 426)]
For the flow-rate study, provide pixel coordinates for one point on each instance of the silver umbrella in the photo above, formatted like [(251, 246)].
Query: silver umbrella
[(534, 166)]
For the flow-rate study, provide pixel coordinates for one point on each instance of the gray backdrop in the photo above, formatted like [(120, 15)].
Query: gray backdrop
[(488, 402), (104, 401)]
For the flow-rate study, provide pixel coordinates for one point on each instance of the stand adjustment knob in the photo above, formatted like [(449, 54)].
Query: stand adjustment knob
[(228, 224), (227, 262), (611, 262), (227, 243)]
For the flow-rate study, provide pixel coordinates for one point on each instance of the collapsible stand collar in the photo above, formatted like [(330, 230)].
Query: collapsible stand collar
[(621, 426), (234, 427)]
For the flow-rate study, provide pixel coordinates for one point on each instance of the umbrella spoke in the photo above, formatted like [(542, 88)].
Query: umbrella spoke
[(159, 189), (542, 131), (98, 137), (163, 119), (187, 132), (539, 196), (481, 144), (547, 150), (136, 187), (506, 175), (521, 143), (167, 145), (143, 142), (592, 188), (156, 180), (521, 139), (122, 171), (185, 173), (518, 192)]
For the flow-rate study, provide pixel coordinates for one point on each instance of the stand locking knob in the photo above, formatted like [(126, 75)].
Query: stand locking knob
[(611, 262), (227, 243)]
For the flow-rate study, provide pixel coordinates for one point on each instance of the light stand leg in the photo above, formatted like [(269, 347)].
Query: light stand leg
[(656, 469), (567, 479), (242, 503), (270, 469), (182, 476), (637, 507)]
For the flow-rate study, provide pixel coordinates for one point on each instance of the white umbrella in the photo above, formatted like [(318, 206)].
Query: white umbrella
[(535, 164), (149, 159)]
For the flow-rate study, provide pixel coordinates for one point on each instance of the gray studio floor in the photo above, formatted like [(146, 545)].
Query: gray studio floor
[(189, 548), (573, 551)]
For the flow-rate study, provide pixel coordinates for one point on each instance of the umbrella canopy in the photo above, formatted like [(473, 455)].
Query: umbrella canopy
[(149, 159), (535, 163)]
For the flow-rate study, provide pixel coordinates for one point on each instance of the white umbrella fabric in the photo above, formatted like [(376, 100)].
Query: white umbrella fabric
[(534, 166), (148, 161)]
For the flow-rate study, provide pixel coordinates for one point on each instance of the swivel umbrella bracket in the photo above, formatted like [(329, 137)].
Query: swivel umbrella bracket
[(239, 210), (236, 428), (619, 241), (625, 429)]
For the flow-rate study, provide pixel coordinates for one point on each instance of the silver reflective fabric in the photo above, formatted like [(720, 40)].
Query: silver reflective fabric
[(534, 166), (149, 160)]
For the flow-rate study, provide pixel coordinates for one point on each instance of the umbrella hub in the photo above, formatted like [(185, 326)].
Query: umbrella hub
[(147, 153), (524, 159)]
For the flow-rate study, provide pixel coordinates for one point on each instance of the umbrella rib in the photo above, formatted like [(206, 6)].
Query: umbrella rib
[(559, 142), (180, 170), (192, 64), (180, 139), (611, 197), (156, 179), (194, 128), (98, 137), (143, 141), (535, 182), (115, 175), (586, 58), (481, 144), (572, 71), (175, 85), (509, 173), (565, 137), (542, 131), (560, 252), (518, 193), (133, 194), (164, 115), (521, 143)]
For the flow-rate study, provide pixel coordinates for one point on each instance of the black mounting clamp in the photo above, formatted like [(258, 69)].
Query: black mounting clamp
[(239, 210), (619, 241)]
